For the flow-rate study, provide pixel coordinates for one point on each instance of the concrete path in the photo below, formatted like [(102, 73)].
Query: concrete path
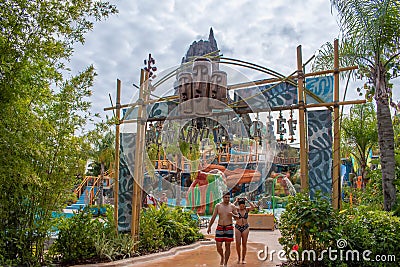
[(204, 254)]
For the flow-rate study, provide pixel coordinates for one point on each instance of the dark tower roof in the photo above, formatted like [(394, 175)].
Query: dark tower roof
[(200, 48)]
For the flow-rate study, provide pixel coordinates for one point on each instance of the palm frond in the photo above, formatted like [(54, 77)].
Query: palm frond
[(372, 24)]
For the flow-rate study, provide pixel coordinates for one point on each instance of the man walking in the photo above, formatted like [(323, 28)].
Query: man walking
[(224, 233)]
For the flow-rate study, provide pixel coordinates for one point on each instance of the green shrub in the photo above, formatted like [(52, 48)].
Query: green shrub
[(371, 196), (151, 231), (115, 248), (109, 244), (84, 237), (257, 211), (76, 237), (166, 227), (309, 224), (314, 225), (376, 231)]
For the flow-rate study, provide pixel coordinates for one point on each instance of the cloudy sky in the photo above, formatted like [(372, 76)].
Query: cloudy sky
[(264, 32)]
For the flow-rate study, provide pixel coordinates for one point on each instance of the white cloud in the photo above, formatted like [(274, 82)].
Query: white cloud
[(263, 32)]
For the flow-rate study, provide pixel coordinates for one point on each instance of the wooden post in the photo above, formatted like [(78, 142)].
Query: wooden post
[(303, 147), (138, 171), (336, 132), (116, 172)]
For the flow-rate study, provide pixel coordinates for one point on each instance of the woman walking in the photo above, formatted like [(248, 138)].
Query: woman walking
[(242, 227)]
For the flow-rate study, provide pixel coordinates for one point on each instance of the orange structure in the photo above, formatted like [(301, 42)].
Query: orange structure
[(237, 176), (359, 182)]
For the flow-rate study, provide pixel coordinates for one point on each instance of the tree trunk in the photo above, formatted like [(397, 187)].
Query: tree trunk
[(101, 185), (363, 168), (386, 141), (178, 187)]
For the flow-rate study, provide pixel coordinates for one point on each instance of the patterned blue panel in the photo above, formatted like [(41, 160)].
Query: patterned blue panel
[(160, 110), (321, 87), (281, 94), (320, 151), (156, 110), (127, 152), (129, 113)]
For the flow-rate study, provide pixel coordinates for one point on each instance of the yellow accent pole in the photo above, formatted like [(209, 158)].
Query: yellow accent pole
[(138, 171), (336, 131), (116, 173), (303, 150), (351, 200)]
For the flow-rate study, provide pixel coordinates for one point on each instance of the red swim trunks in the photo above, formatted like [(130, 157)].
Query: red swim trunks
[(224, 233)]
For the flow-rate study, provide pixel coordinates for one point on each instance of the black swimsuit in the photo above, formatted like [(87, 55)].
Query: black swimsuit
[(242, 228)]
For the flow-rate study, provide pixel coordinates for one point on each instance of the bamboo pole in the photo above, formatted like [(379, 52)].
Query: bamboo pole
[(116, 173), (303, 151), (138, 171), (330, 104), (336, 132)]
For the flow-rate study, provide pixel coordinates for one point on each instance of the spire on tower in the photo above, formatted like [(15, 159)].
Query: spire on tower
[(212, 40)]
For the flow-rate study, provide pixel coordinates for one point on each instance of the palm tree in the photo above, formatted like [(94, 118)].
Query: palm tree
[(370, 38), (396, 123), (103, 154), (359, 133)]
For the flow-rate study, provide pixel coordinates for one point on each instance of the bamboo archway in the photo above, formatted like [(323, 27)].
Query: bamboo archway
[(295, 78)]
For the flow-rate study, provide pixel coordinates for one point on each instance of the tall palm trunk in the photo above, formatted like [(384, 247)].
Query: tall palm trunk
[(386, 139)]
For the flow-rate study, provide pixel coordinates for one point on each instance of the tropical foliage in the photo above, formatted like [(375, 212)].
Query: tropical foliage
[(370, 230), (102, 153), (308, 224), (370, 36), (312, 226), (83, 238), (167, 227), (359, 134), (41, 155)]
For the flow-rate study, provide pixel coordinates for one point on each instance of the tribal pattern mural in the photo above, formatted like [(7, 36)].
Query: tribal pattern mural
[(126, 163), (156, 110), (322, 87), (320, 151), (285, 94), (271, 95)]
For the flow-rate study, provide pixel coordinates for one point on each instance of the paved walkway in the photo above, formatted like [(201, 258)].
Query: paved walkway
[(204, 254)]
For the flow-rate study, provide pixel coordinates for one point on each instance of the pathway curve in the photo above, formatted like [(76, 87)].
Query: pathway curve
[(206, 255)]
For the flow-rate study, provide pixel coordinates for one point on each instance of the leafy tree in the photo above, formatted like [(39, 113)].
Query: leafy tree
[(359, 133), (370, 36), (103, 152), (41, 154)]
